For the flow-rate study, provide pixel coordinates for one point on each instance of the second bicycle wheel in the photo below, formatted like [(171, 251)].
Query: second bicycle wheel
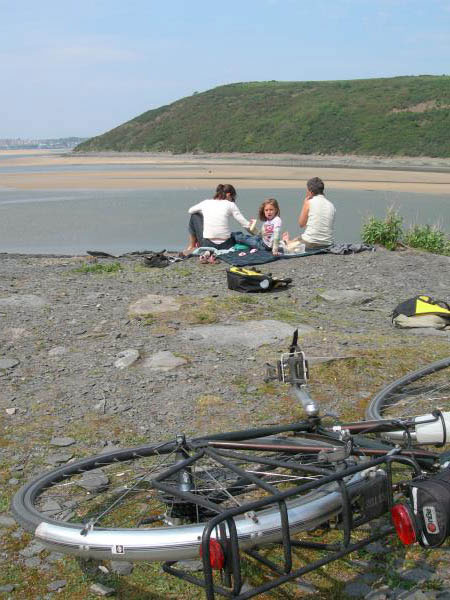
[(416, 393), (108, 507)]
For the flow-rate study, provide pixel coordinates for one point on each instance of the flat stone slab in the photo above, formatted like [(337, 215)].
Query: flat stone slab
[(153, 304), (23, 301), (251, 334), (57, 351), (8, 363), (15, 333), (163, 361), (351, 297)]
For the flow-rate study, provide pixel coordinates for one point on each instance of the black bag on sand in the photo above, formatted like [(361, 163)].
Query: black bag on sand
[(245, 280), (157, 259)]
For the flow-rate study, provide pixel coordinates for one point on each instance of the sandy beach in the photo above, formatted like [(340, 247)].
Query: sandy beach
[(49, 170)]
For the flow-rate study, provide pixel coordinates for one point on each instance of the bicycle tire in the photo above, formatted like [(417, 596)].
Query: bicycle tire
[(171, 543), (396, 398)]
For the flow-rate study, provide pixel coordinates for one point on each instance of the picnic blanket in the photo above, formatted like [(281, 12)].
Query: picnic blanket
[(260, 257)]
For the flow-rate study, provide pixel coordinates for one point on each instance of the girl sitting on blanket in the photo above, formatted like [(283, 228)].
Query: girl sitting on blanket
[(269, 237), (269, 214)]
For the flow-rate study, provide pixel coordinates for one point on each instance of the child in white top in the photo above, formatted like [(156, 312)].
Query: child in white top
[(269, 214)]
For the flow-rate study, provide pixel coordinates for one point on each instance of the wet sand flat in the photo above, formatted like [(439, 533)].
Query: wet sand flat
[(142, 171)]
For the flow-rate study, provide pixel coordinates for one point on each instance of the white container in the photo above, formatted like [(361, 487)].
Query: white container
[(436, 432)]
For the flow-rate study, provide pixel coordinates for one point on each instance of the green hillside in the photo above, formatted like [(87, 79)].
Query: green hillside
[(407, 116)]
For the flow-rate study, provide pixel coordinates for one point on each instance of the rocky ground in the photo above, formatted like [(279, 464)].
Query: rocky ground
[(113, 353)]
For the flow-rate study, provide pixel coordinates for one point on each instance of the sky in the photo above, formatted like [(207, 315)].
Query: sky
[(81, 67)]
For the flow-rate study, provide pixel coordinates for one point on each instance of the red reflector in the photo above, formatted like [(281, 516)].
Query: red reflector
[(403, 523), (216, 555)]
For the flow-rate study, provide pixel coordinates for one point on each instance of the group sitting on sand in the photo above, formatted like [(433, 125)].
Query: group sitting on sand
[(209, 223)]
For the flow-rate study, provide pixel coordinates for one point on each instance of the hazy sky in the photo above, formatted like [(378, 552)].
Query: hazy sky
[(82, 67)]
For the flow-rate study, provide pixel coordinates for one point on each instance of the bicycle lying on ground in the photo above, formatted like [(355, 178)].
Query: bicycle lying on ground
[(225, 495)]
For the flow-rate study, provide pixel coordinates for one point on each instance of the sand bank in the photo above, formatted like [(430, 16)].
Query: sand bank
[(66, 171)]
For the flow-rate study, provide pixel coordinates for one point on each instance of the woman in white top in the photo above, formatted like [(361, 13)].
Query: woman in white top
[(209, 221)]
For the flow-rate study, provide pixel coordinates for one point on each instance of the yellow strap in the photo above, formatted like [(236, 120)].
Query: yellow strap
[(244, 271), (424, 307)]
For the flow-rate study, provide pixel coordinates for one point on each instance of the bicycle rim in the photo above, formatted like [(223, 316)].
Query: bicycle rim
[(107, 507), (416, 393)]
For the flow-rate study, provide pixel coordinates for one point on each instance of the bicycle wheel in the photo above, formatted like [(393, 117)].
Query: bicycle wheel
[(108, 507), (416, 393)]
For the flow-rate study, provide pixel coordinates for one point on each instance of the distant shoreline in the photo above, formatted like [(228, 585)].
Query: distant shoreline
[(301, 160), (204, 171)]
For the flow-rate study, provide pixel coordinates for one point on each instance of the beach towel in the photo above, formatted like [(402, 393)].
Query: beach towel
[(261, 257)]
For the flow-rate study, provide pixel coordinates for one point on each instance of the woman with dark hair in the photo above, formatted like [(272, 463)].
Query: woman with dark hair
[(208, 224)]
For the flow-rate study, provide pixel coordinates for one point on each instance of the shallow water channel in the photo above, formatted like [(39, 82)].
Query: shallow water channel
[(73, 221)]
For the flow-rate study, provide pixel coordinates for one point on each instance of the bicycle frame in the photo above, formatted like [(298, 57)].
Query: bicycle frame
[(223, 525)]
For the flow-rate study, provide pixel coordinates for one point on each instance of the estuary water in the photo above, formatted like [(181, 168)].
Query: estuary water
[(119, 221)]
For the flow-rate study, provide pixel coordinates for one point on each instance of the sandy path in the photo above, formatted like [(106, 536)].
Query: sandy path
[(181, 172)]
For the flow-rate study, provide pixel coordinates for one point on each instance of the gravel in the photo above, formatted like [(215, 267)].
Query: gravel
[(62, 332)]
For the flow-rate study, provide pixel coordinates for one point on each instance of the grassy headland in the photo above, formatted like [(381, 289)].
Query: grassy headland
[(408, 116)]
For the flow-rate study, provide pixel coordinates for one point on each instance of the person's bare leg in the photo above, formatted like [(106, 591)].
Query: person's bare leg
[(192, 244)]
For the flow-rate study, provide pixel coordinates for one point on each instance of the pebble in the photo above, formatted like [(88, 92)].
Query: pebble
[(306, 588), (61, 457), (93, 481), (121, 567), (126, 358), (102, 590), (6, 521), (33, 549), (57, 351), (416, 575), (23, 301), (8, 363), (349, 297), (163, 361), (7, 588), (32, 562), (356, 589), (190, 565), (57, 585), (62, 441), (153, 304), (54, 557)]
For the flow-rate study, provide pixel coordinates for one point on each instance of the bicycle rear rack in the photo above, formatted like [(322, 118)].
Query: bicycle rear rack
[(373, 503)]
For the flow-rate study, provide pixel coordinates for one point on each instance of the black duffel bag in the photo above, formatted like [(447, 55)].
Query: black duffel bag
[(242, 279)]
